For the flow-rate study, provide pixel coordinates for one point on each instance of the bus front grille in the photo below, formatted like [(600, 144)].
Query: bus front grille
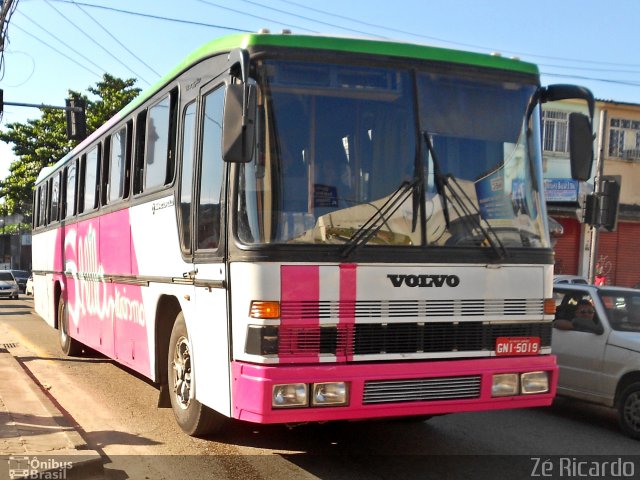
[(421, 389), (403, 338)]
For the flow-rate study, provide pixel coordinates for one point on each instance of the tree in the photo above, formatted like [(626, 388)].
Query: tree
[(42, 142)]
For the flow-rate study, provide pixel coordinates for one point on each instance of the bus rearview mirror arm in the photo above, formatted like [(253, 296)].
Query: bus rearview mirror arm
[(580, 126), (238, 130)]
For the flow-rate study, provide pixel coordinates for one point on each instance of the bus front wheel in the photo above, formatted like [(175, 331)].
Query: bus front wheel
[(194, 418), (69, 346)]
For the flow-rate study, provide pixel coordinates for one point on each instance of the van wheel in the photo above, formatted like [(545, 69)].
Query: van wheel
[(194, 418), (629, 410), (69, 346)]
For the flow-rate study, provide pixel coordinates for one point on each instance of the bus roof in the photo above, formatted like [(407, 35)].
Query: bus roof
[(317, 42)]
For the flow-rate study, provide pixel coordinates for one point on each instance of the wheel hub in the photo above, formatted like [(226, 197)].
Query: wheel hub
[(182, 372)]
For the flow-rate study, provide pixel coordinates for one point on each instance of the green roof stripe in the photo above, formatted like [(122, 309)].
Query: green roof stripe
[(373, 47)]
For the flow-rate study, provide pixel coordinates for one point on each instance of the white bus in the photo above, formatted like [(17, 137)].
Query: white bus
[(297, 228)]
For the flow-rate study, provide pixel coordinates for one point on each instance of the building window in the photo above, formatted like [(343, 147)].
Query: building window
[(556, 131), (624, 138)]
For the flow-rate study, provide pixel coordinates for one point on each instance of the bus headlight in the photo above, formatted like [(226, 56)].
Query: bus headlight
[(504, 384), (534, 382), (330, 393), (289, 395)]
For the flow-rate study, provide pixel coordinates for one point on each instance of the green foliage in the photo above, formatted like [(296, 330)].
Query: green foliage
[(42, 142)]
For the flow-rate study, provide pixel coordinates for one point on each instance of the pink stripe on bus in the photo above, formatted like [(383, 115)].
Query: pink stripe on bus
[(299, 323), (347, 318)]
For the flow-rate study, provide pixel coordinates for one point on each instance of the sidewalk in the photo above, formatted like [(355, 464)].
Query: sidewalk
[(36, 439)]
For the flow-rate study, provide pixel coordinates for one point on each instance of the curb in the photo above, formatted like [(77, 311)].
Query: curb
[(35, 436)]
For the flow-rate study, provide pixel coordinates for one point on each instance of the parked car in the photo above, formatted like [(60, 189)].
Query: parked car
[(29, 287), (8, 285), (21, 277), (571, 279), (597, 343)]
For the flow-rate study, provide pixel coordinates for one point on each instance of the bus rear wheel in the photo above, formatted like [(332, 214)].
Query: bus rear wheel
[(69, 346), (194, 418)]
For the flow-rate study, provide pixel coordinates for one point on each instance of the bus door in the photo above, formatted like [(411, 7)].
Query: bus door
[(210, 337)]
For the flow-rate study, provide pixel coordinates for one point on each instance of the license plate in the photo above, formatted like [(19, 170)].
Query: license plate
[(517, 346)]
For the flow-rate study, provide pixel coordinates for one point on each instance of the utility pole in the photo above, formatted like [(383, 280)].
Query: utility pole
[(6, 9), (597, 190)]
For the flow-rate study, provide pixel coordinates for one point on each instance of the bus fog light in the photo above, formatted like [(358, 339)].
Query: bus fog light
[(289, 395), (330, 393), (534, 382), (504, 384)]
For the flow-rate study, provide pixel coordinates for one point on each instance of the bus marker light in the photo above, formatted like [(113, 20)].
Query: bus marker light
[(264, 309), (534, 382), (549, 306), (289, 395), (330, 393), (504, 384)]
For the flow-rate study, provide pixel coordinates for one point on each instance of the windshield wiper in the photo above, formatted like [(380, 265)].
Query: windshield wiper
[(462, 204), (375, 222)]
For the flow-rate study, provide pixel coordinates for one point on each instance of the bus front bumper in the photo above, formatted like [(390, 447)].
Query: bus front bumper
[(394, 389)]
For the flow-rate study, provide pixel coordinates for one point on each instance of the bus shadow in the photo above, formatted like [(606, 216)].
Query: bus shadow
[(27, 359), (331, 438), (9, 311)]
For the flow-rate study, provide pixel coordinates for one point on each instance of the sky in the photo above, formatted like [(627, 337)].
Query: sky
[(60, 45)]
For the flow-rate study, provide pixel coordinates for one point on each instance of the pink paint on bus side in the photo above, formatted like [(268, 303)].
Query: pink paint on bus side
[(105, 305)]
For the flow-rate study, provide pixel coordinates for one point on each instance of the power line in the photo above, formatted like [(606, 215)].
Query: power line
[(96, 43), (65, 44), (116, 39), (594, 79), (467, 45), (589, 69), (7, 9), (155, 17), (246, 14), (56, 50), (310, 19)]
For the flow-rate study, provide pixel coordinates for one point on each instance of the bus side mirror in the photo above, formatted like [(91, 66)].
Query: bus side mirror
[(581, 146), (238, 130)]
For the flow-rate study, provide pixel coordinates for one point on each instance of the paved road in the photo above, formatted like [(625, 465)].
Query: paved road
[(117, 415)]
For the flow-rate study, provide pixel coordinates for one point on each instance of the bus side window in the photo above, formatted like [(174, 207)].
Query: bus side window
[(159, 144), (70, 202), (55, 199), (91, 177), (34, 216), (186, 179), (104, 174), (141, 127), (37, 207), (42, 196), (115, 185), (211, 172)]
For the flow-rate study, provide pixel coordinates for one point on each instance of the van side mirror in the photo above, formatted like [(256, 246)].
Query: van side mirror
[(238, 130), (581, 146)]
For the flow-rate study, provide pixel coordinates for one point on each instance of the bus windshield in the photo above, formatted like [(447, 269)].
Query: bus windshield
[(337, 143)]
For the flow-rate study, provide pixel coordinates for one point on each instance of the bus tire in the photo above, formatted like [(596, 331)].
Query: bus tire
[(629, 410), (194, 418), (68, 345)]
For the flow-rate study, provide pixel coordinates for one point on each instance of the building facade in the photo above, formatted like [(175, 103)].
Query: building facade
[(617, 143)]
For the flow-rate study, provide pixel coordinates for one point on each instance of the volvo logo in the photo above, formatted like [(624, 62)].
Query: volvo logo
[(424, 280)]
